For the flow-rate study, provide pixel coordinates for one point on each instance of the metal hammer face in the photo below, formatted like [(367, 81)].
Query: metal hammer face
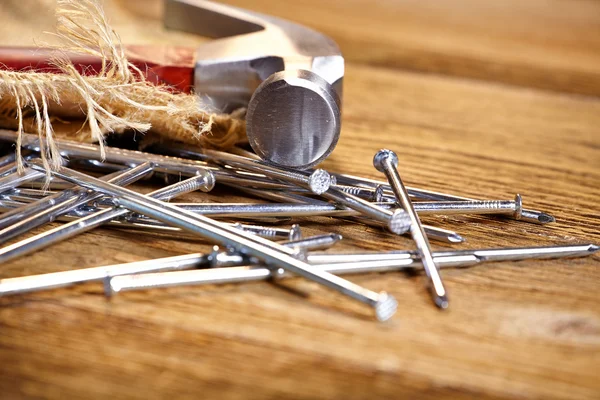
[(288, 76)]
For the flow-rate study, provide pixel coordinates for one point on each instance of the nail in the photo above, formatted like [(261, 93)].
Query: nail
[(433, 232), (113, 155), (204, 181), (266, 231), (317, 182), (9, 201), (26, 195), (154, 226), (15, 179), (506, 207), (241, 210), (534, 216), (269, 252), (33, 283), (23, 219), (483, 255), (372, 195), (396, 221), (317, 242), (410, 260), (327, 209), (220, 258), (386, 161), (315, 208), (51, 184)]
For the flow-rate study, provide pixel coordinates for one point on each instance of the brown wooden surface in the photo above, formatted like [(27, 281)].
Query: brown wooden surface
[(514, 329)]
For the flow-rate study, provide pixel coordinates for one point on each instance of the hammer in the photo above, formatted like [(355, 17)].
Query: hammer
[(289, 77)]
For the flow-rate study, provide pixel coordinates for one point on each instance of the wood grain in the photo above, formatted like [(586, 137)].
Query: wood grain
[(544, 44), (527, 330)]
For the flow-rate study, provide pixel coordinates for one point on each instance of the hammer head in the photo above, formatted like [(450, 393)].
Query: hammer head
[(288, 76)]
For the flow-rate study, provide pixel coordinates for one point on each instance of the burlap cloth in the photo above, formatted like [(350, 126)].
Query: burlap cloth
[(117, 99)]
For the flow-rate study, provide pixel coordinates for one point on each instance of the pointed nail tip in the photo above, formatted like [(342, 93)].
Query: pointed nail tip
[(441, 302), (456, 238), (593, 248), (546, 218)]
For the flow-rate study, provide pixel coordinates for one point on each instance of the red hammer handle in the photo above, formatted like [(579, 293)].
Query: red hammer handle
[(168, 65)]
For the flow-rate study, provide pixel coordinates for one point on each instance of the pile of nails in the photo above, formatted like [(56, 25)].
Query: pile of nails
[(29, 199)]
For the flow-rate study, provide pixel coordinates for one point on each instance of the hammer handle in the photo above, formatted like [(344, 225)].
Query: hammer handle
[(167, 65)]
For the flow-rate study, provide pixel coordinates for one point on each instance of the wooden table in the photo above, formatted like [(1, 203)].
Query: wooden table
[(481, 99)]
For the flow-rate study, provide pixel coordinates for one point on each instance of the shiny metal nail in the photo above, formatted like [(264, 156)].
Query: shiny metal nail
[(51, 184), (253, 211), (396, 221), (433, 232), (386, 161), (269, 252), (188, 167), (204, 181), (499, 207), (23, 219), (33, 283), (331, 210), (15, 179), (314, 208), (410, 261), (154, 226), (483, 255), (528, 215), (317, 182), (25, 195), (293, 233)]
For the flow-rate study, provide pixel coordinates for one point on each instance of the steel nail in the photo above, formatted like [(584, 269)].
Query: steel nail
[(204, 182), (53, 280), (534, 216), (318, 181), (188, 168), (386, 161), (484, 255), (396, 221), (409, 261), (314, 208), (433, 232), (23, 219), (15, 179), (269, 252)]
